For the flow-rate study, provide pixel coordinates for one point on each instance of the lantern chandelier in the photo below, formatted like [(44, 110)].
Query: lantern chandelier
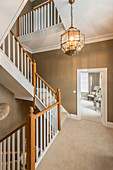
[(72, 41)]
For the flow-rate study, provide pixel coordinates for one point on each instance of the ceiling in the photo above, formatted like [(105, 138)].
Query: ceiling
[(93, 17)]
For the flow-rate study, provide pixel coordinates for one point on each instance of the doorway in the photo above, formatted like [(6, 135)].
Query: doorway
[(92, 94)]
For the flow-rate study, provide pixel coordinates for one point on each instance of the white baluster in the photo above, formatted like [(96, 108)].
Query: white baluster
[(9, 46), (37, 87), (47, 114), (44, 131), (48, 16), (26, 25), (37, 140), (4, 154), (13, 49), (1, 155), (39, 18), (45, 16), (51, 13), (18, 56), (40, 89), (25, 64), (20, 26), (13, 152), (34, 20), (54, 14), (56, 117), (4, 46), (18, 150), (31, 72), (47, 95), (41, 135), (36, 14), (22, 60), (23, 146), (50, 124), (42, 24), (9, 153), (44, 93), (28, 68), (31, 22), (58, 18), (50, 98)]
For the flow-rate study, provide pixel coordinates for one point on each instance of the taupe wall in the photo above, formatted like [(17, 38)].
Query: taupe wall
[(60, 70), (37, 2), (18, 111)]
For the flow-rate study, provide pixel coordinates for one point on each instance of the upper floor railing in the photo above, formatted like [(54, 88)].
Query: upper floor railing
[(43, 16)]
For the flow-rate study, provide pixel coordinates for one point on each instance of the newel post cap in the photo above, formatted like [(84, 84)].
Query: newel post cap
[(31, 110), (58, 89)]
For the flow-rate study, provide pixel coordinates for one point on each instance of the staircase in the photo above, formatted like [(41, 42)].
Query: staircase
[(18, 74)]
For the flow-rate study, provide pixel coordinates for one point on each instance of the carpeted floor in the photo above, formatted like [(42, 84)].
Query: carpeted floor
[(81, 145), (88, 111)]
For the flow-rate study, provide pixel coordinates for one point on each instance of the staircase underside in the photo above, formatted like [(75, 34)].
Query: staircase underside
[(43, 40)]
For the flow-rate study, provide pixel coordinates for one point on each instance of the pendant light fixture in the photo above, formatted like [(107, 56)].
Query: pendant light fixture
[(72, 41)]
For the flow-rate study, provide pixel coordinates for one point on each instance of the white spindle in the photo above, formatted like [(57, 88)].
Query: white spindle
[(8, 153), (13, 49), (50, 97), (22, 60), (37, 140), (9, 46), (47, 114), (23, 146), (36, 20), (18, 56), (44, 130), (22, 25), (41, 135), (4, 46), (48, 16), (45, 16), (54, 14), (26, 24), (31, 22), (4, 154), (40, 89), (58, 18), (44, 93), (13, 151), (28, 68), (42, 24), (56, 118), (1, 155), (50, 124), (25, 64), (18, 150), (47, 95), (37, 87), (51, 13), (39, 18), (31, 72)]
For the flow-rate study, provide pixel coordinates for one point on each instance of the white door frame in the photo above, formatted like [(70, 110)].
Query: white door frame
[(103, 92)]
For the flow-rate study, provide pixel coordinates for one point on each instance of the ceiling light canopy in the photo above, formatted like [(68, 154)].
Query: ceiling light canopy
[(72, 41)]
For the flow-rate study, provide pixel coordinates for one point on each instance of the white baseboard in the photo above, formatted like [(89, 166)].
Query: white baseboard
[(110, 124), (73, 116)]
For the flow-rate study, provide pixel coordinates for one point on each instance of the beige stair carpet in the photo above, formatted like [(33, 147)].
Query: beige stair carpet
[(81, 145)]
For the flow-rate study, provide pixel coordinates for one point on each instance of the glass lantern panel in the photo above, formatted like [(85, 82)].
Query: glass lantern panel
[(64, 37), (74, 35)]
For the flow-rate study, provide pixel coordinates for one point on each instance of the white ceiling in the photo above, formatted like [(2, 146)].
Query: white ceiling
[(93, 17)]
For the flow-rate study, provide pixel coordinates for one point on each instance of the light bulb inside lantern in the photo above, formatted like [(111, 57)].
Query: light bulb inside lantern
[(71, 38)]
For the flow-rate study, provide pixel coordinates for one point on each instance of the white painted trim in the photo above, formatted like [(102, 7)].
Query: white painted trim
[(73, 116), (20, 8), (104, 93), (46, 149), (110, 124)]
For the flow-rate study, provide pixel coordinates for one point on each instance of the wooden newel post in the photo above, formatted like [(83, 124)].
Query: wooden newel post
[(34, 81), (18, 27), (30, 140), (59, 108)]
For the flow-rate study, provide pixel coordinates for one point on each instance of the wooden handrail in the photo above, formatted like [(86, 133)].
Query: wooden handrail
[(19, 127), (46, 83), (21, 45), (15, 152), (44, 111), (37, 8)]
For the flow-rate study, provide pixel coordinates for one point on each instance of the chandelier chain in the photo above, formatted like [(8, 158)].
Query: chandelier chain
[(71, 15)]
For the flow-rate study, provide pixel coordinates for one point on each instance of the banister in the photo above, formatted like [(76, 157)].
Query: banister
[(46, 83), (15, 130), (37, 8), (21, 45), (44, 111), (15, 152)]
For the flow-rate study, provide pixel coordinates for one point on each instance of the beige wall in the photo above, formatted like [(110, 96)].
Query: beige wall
[(36, 3), (60, 70), (18, 111)]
